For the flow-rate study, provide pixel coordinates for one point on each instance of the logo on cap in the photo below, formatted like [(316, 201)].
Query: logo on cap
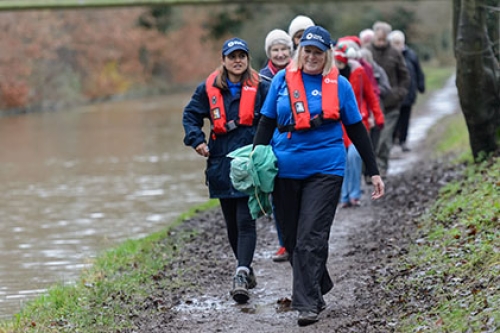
[(232, 43), (316, 37)]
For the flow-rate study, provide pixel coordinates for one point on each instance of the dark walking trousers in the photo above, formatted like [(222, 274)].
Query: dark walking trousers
[(401, 131), (240, 229), (305, 209)]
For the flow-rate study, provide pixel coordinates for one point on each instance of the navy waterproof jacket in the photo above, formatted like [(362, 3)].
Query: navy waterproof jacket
[(417, 78), (218, 164)]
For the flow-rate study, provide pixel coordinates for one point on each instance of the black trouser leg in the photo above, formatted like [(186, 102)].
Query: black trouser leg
[(286, 198), (240, 229), (403, 123), (308, 209)]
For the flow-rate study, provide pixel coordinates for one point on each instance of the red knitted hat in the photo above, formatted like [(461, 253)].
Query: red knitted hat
[(341, 53), (354, 39)]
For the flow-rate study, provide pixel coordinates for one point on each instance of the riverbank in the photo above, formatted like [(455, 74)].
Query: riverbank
[(178, 280)]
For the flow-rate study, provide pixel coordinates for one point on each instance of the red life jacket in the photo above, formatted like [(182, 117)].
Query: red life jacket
[(220, 125), (298, 100)]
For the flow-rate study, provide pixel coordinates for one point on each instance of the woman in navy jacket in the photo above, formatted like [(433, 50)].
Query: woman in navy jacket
[(231, 99)]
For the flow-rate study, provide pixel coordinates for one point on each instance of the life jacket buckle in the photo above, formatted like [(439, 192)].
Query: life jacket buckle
[(316, 121), (231, 125)]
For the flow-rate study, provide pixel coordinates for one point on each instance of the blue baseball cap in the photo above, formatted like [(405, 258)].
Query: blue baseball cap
[(316, 36), (234, 44)]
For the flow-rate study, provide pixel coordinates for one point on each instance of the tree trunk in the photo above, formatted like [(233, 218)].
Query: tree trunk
[(478, 77)]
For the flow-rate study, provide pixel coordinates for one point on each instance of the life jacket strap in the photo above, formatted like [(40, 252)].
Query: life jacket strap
[(315, 122)]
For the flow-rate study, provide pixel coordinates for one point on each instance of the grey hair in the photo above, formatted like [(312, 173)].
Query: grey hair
[(382, 26), (367, 55), (365, 33), (396, 35)]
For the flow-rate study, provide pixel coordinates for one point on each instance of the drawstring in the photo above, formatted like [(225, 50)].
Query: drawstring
[(260, 204), (256, 193)]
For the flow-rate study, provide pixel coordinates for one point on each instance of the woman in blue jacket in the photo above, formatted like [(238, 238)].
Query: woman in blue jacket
[(231, 99), (301, 119)]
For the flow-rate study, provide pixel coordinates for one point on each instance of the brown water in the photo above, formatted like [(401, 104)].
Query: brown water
[(76, 182)]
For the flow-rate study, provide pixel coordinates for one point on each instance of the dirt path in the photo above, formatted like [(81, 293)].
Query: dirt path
[(365, 243)]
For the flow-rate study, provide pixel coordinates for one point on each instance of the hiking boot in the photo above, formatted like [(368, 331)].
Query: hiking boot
[(240, 287), (251, 280), (307, 318), (280, 255)]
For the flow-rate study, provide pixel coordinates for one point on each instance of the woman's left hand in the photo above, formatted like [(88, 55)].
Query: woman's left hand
[(378, 187)]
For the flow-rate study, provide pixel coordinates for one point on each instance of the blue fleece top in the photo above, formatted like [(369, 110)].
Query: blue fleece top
[(318, 151), (234, 88)]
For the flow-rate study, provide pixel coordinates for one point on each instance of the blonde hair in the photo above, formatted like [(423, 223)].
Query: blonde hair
[(297, 64), (250, 76)]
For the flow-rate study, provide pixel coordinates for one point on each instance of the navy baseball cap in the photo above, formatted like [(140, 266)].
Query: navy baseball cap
[(316, 36), (234, 44)]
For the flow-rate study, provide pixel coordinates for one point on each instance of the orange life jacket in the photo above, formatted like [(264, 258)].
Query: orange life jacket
[(298, 101), (220, 125)]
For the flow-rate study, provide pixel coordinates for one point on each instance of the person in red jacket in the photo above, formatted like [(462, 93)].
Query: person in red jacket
[(345, 58)]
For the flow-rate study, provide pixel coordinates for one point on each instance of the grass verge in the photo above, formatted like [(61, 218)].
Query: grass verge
[(452, 273), (435, 76), (121, 276)]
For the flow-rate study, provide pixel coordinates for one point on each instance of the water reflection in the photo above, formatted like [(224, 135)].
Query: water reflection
[(73, 183)]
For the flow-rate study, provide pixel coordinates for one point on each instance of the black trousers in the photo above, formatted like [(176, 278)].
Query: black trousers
[(401, 131), (305, 210), (240, 229)]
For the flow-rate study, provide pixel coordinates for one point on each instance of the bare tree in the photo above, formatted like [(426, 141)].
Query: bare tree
[(478, 75)]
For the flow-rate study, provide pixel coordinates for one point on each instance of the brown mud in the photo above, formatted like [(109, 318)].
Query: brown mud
[(365, 244)]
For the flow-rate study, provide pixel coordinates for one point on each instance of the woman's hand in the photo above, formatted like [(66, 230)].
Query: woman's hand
[(202, 149), (378, 187)]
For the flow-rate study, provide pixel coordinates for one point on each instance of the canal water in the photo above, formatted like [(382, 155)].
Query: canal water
[(73, 183)]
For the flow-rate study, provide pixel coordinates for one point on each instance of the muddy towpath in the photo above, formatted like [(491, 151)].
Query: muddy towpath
[(365, 244)]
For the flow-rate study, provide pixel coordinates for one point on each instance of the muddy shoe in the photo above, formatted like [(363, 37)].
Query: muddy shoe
[(280, 255), (307, 318), (251, 280), (240, 288)]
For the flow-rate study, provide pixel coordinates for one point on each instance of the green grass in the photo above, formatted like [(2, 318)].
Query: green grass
[(457, 261), (435, 77), (456, 140), (98, 301)]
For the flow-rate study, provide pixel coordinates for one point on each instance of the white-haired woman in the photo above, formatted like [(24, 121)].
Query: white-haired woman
[(278, 47), (301, 119)]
